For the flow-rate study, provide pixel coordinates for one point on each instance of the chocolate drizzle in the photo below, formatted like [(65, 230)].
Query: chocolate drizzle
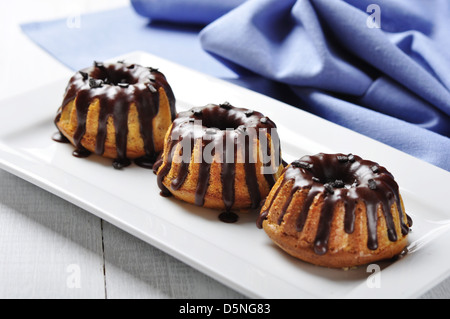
[(58, 137), (116, 86), (346, 179), (224, 131)]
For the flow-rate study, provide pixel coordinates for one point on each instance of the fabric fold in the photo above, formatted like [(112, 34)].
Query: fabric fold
[(182, 11), (387, 81), (284, 41), (402, 135)]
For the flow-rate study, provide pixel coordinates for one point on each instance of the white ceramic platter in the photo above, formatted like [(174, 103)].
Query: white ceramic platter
[(239, 255)]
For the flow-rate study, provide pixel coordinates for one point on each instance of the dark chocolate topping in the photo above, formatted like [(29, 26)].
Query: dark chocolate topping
[(226, 129), (346, 179), (58, 137), (117, 86), (228, 217)]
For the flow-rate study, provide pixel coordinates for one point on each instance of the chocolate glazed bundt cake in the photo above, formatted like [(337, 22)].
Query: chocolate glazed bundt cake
[(118, 110), (336, 210), (213, 158)]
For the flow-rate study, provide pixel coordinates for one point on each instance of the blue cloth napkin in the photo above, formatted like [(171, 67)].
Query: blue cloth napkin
[(76, 41), (390, 83), (184, 11), (326, 57)]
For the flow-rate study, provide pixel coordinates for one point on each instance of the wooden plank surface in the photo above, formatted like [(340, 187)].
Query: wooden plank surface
[(49, 248), (134, 269)]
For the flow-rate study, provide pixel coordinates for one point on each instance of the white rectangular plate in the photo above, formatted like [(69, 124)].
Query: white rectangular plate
[(238, 255)]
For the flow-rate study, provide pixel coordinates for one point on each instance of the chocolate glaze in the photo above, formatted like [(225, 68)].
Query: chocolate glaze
[(117, 86), (228, 217), (347, 179), (221, 126), (58, 137)]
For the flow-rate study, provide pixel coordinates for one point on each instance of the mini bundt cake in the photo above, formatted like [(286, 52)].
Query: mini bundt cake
[(220, 156), (118, 110), (337, 211)]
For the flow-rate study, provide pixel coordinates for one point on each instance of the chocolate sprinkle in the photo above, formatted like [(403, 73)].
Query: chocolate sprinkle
[(342, 158), (225, 105), (329, 188), (93, 83), (99, 65), (351, 158), (84, 75), (302, 164), (249, 113), (338, 183), (372, 184)]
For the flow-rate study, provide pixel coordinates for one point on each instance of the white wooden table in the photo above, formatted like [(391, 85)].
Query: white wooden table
[(50, 248)]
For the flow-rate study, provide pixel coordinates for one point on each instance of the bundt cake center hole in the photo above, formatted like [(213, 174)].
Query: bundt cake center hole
[(113, 77), (337, 181), (220, 121)]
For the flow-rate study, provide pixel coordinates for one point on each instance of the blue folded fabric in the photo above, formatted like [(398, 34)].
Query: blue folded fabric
[(77, 41), (382, 70), (326, 57), (184, 11)]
